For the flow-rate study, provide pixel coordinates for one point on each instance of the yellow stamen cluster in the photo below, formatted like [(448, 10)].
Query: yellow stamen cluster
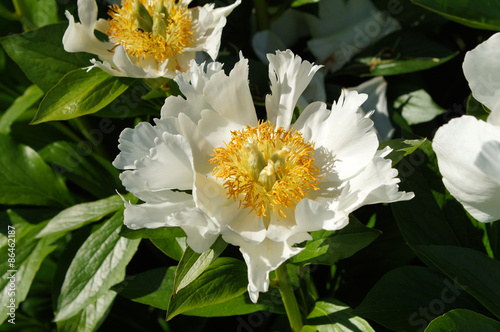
[(267, 169), (157, 28)]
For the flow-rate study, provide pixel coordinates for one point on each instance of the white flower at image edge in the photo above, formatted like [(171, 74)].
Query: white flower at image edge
[(468, 149), (262, 186), (147, 39)]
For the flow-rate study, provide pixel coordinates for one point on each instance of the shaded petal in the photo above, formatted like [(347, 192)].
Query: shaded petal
[(376, 89), (319, 214), (468, 155), (289, 77), (264, 42), (481, 69)]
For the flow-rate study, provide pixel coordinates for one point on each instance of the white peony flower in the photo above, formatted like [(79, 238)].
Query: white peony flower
[(262, 186), (147, 38), (468, 149)]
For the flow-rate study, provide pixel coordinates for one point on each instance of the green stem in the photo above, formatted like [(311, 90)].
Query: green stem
[(83, 125), (263, 22), (289, 299)]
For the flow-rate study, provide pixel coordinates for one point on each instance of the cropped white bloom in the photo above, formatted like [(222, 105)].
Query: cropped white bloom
[(262, 186), (468, 149), (147, 38)]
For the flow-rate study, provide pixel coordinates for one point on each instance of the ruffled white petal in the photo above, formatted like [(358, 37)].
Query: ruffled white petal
[(289, 77), (345, 141), (468, 159), (376, 89), (261, 259), (481, 69)]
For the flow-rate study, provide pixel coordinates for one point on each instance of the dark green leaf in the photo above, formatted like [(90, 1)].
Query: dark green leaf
[(79, 93), (192, 264), (477, 273), (476, 109), (298, 3), (225, 279), (408, 298), (153, 287), (92, 173), (41, 55), (32, 95), (332, 315), (400, 148), (37, 13), (173, 247), (99, 263), (480, 14), (27, 179), (327, 247), (463, 320), (432, 216), (82, 214), (399, 53)]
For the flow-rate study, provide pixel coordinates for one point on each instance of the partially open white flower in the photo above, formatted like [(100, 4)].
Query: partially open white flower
[(468, 149), (147, 38), (262, 185)]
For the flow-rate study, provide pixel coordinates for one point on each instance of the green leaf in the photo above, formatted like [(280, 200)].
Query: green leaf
[(463, 320), (79, 93), (90, 318), (99, 263), (480, 14), (152, 233), (409, 297), (400, 52), (477, 273), (41, 55), (327, 247), (432, 216), (92, 173), (27, 179), (82, 214), (192, 264), (332, 315), (37, 13), (153, 287), (173, 247), (32, 95), (29, 255), (401, 148), (225, 279), (476, 109), (418, 107), (298, 3)]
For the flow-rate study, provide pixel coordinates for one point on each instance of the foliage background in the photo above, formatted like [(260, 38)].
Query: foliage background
[(394, 268)]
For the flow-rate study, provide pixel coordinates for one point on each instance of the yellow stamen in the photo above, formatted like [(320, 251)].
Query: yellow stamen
[(265, 169), (157, 28)]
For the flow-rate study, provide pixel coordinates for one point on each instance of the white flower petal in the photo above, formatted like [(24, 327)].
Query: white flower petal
[(376, 89), (348, 138), (135, 144), (319, 214), (261, 259), (481, 67), (289, 77), (230, 95), (467, 154), (167, 166)]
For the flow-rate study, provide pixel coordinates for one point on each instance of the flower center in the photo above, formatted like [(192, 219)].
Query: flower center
[(268, 170), (157, 28)]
